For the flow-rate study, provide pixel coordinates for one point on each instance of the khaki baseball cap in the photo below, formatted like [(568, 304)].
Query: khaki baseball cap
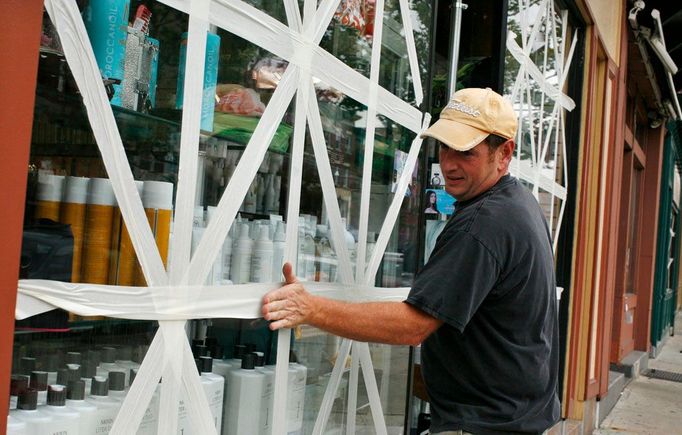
[(470, 116)]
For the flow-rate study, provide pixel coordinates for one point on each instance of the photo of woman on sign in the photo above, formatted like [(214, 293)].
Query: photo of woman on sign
[(431, 202)]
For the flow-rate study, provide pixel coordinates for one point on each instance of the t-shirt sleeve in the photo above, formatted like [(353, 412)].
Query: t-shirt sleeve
[(459, 275)]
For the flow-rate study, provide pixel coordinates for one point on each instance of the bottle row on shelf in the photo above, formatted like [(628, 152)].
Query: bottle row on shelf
[(85, 395)]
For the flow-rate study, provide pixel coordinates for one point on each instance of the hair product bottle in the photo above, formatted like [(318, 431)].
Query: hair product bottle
[(49, 196), (66, 420), (107, 407), (268, 396), (227, 254), (261, 259), (241, 256), (98, 225), (123, 266), (295, 398), (75, 399), (72, 212), (278, 246), (214, 387), (245, 389), (157, 199), (108, 363), (38, 382), (216, 276), (37, 422), (16, 426)]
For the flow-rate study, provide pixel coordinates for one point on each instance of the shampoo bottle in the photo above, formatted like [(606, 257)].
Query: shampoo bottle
[(245, 393), (261, 259), (16, 426), (37, 422), (66, 420), (214, 387), (241, 256), (268, 396), (295, 398), (107, 407), (278, 246), (75, 399)]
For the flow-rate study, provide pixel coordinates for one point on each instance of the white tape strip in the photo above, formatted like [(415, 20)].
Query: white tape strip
[(353, 381), (332, 388), (229, 204), (78, 52), (524, 41), (564, 100), (324, 170), (293, 15), (369, 139), (394, 208), (173, 337), (406, 16), (189, 139), (142, 390), (372, 388)]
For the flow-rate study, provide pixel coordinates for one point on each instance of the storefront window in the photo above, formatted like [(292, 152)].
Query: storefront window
[(91, 244), (539, 56)]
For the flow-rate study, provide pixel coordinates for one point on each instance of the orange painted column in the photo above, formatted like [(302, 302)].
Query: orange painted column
[(19, 43)]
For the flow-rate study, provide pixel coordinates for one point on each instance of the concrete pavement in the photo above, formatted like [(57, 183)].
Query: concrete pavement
[(651, 406)]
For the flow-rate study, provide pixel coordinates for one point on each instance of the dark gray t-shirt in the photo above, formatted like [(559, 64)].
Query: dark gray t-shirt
[(493, 365)]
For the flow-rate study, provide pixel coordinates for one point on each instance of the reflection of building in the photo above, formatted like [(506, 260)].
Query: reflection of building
[(605, 172)]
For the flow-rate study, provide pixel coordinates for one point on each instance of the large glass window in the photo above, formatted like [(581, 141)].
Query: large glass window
[(110, 208)]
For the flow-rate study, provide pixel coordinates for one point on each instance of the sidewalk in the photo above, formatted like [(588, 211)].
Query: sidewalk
[(651, 406)]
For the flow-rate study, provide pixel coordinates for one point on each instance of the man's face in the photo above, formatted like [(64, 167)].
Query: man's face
[(470, 173)]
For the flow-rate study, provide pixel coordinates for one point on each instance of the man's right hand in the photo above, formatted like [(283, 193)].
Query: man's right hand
[(290, 305)]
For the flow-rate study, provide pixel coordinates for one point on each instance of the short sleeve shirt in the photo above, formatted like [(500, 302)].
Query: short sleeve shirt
[(492, 367)]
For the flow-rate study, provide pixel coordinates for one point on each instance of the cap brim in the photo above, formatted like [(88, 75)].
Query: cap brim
[(458, 136)]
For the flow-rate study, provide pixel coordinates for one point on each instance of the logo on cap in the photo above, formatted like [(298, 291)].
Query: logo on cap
[(464, 108)]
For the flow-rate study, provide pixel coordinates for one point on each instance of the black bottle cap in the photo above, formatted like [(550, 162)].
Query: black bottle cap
[(206, 364), (248, 362), (88, 369), (74, 372), (56, 395), (117, 381), (125, 353), (250, 347), (196, 342), (51, 362), (99, 386), (75, 390), (63, 376), (210, 341), (28, 399), (260, 359), (72, 358), (39, 380), (27, 365), (108, 354), (94, 356), (292, 357), (200, 350), (133, 373), (17, 384), (239, 351), (216, 351)]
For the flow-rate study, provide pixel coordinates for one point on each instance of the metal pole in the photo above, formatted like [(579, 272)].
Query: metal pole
[(455, 38)]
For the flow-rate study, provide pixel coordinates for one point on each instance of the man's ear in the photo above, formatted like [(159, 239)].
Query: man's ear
[(506, 151)]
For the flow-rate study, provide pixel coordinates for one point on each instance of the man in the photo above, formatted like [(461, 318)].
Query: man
[(484, 306)]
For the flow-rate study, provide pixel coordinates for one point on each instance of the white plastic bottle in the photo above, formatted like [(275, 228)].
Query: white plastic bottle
[(260, 193), (261, 259), (117, 385), (268, 396), (16, 426), (271, 195), (302, 262), (311, 270), (227, 255), (39, 383), (295, 398), (245, 389), (150, 420), (278, 246), (73, 358), (37, 422), (17, 384), (241, 256), (88, 371), (214, 387), (75, 399), (108, 361), (124, 359), (66, 420), (251, 198), (107, 407)]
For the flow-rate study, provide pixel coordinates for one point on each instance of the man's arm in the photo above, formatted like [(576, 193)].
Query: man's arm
[(380, 322)]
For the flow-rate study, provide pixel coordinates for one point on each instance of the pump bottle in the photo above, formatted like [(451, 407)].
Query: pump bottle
[(261, 259), (37, 422), (245, 393), (107, 407), (66, 420)]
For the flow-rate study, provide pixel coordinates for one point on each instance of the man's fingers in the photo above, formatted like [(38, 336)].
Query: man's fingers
[(288, 271)]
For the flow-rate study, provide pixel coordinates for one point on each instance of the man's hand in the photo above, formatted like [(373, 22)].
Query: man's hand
[(288, 306)]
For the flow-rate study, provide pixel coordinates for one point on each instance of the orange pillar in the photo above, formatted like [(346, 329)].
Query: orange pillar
[(19, 43)]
